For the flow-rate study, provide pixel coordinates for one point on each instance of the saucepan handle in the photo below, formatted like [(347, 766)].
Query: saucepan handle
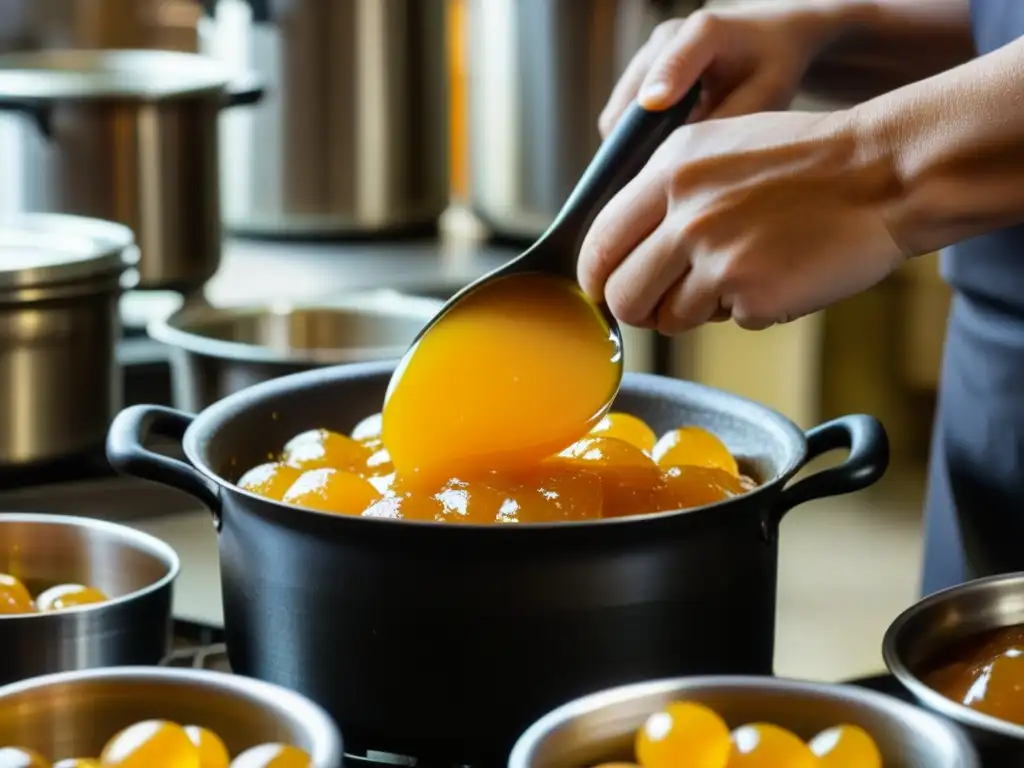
[(867, 461), (244, 90), (127, 453)]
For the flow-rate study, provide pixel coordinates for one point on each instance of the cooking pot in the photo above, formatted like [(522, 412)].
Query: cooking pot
[(132, 138), (353, 138), (60, 386), (426, 638), (932, 629), (136, 570), (539, 73)]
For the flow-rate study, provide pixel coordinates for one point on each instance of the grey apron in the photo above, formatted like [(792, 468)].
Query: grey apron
[(975, 506)]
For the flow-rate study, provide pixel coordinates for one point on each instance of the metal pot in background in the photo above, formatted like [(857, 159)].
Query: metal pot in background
[(540, 71), (352, 138), (218, 351), (132, 137), (136, 570), (60, 279)]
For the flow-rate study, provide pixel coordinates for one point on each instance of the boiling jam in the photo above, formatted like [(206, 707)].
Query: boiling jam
[(513, 373)]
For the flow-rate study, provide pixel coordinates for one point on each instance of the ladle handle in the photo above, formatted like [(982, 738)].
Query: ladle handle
[(618, 160)]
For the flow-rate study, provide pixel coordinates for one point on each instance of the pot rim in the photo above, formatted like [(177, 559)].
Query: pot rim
[(77, 74), (210, 419), (897, 710), (328, 750), (183, 327), (146, 542), (932, 699)]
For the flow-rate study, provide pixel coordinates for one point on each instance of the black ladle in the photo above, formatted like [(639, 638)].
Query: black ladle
[(617, 161)]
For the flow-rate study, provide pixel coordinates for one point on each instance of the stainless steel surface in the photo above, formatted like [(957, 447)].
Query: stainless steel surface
[(601, 727), (353, 136), (218, 351), (130, 136), (926, 632), (135, 569), (60, 278), (73, 714), (540, 71)]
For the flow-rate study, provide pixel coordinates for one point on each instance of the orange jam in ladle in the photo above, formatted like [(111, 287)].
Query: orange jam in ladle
[(514, 372)]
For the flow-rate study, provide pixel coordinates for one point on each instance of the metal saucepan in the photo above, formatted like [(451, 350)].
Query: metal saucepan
[(601, 728), (444, 639), (218, 351), (136, 570), (132, 138), (74, 713), (927, 632), (60, 280)]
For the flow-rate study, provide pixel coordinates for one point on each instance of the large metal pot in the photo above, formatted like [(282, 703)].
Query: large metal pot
[(353, 136), (75, 713), (929, 631), (429, 638), (132, 138), (216, 351), (60, 279), (135, 569), (601, 728), (540, 71)]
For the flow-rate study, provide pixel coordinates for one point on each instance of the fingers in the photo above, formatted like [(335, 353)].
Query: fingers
[(626, 88), (634, 289), (624, 223), (758, 95), (691, 302), (681, 62)]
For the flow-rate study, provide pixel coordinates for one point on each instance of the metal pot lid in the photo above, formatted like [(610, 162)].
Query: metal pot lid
[(45, 249), (95, 74)]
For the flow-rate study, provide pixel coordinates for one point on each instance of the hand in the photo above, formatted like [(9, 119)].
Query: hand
[(763, 218), (749, 59)]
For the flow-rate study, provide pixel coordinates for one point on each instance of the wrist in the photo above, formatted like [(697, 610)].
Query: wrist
[(823, 24)]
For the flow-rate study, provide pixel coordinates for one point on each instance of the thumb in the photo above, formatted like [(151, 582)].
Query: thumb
[(681, 62)]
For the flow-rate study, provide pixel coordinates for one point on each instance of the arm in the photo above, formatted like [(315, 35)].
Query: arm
[(955, 144), (873, 46)]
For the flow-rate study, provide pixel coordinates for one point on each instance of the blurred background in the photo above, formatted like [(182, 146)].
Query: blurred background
[(368, 156)]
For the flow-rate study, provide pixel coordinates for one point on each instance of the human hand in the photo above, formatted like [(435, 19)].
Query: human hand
[(749, 59), (762, 218)]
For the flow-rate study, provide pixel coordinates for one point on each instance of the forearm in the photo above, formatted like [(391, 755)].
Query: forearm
[(955, 147), (869, 47)]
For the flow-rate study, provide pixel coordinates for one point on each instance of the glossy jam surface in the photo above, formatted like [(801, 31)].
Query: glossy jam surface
[(986, 674), (14, 596), (687, 734), (164, 744), (513, 373), (610, 472), (68, 596)]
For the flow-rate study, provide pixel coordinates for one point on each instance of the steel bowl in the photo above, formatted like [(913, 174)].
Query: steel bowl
[(135, 569), (72, 714), (930, 629), (601, 727), (217, 351)]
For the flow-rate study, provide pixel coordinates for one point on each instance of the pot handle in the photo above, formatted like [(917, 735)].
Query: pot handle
[(244, 90), (126, 452), (868, 444)]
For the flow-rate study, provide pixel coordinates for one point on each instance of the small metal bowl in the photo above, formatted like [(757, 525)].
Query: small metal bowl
[(216, 351), (930, 629), (73, 714), (601, 727), (135, 569)]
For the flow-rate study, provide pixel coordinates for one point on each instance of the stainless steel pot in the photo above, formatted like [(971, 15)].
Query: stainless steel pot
[(426, 638), (73, 714), (135, 569), (132, 138), (353, 136), (540, 71), (218, 351), (601, 728), (926, 633), (60, 279)]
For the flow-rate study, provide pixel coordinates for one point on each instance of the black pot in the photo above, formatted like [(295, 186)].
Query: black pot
[(432, 639)]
